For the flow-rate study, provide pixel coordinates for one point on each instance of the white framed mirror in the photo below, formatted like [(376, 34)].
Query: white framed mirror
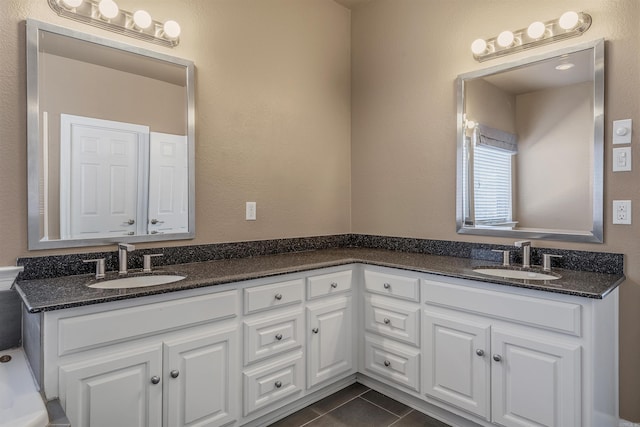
[(110, 141), (530, 138)]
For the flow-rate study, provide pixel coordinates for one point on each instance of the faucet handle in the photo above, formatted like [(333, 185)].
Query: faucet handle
[(146, 262), (99, 266), (505, 256), (522, 243), (546, 261), (126, 246)]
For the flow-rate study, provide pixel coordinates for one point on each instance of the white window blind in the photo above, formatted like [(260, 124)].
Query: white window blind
[(492, 185)]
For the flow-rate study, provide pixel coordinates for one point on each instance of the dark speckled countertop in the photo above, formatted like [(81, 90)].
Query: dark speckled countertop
[(72, 291)]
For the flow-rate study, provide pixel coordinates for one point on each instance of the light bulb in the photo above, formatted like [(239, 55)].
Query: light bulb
[(71, 4), (505, 39), (536, 30), (171, 30), (478, 46), (568, 20), (108, 9), (142, 19), (564, 67)]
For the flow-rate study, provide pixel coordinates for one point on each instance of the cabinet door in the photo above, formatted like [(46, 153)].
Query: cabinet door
[(201, 380), (330, 349), (457, 362), (123, 389), (535, 382)]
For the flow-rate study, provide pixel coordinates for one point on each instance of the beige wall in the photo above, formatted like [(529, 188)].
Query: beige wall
[(276, 124), (406, 55)]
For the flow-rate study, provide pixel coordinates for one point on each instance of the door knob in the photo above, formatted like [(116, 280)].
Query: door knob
[(480, 352), (497, 357), (155, 379), (174, 373)]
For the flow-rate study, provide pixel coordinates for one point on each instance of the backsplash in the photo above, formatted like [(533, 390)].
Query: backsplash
[(68, 265)]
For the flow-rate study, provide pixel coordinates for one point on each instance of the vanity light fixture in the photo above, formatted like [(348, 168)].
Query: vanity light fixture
[(107, 15), (570, 24)]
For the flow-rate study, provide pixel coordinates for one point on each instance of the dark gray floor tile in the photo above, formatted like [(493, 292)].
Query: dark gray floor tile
[(297, 419), (355, 413), (387, 403), (339, 397), (418, 419)]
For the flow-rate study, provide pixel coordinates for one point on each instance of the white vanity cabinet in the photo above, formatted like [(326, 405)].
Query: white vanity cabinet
[(168, 363), (330, 327)]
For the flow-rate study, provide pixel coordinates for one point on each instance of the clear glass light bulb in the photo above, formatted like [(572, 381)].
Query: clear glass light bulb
[(108, 9), (568, 20), (478, 46), (142, 19), (536, 30), (172, 30), (505, 39)]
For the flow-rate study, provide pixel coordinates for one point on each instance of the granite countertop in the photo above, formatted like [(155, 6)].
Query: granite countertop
[(72, 291)]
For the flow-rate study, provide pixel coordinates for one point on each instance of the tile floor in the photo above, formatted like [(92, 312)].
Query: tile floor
[(358, 406)]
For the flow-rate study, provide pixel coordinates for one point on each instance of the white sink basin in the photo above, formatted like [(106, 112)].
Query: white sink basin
[(137, 281), (515, 274)]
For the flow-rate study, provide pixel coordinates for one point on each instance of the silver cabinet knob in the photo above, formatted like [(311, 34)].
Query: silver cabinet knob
[(278, 297), (130, 233), (278, 384), (315, 330), (174, 373), (155, 379), (386, 286), (387, 363), (155, 221), (334, 285), (497, 357), (278, 337), (131, 221), (386, 321), (480, 352)]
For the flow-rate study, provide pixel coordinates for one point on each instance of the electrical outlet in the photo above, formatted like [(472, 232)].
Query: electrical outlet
[(622, 211), (250, 214)]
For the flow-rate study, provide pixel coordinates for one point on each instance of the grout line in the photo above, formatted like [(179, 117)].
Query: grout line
[(384, 409), (333, 409), (398, 420)]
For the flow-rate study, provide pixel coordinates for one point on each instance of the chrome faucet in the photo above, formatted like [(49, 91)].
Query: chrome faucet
[(526, 252), (123, 248)]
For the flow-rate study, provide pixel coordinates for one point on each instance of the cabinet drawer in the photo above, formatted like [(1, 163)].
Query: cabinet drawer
[(543, 313), (392, 285), (274, 335), (270, 383), (393, 361), (107, 327), (270, 296), (392, 318), (328, 284)]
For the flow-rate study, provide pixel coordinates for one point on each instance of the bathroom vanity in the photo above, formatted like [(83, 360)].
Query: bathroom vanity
[(248, 341)]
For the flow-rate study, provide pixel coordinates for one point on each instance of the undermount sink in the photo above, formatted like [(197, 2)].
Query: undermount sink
[(515, 274), (137, 281)]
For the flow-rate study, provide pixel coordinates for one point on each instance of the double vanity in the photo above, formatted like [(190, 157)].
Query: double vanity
[(247, 341)]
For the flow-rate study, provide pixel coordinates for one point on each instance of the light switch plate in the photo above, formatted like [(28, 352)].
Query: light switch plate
[(622, 159), (622, 131), (250, 211), (622, 211)]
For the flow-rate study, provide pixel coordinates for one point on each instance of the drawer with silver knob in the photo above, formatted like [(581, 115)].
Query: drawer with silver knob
[(328, 284), (268, 336), (265, 297), (393, 318), (393, 361), (392, 285)]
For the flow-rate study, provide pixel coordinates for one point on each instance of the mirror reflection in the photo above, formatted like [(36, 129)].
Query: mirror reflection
[(110, 141), (530, 147)]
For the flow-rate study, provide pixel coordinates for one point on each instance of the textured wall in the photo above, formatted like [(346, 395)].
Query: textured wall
[(406, 56)]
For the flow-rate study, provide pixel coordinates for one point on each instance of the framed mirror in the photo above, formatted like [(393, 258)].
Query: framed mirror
[(111, 138), (530, 147)]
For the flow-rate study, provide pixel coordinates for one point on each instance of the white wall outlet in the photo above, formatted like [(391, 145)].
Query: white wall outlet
[(250, 214), (622, 211), (622, 159), (622, 131)]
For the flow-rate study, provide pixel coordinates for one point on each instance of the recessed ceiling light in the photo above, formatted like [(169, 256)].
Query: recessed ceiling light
[(565, 66)]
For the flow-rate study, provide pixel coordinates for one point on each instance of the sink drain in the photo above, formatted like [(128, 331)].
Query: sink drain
[(5, 358)]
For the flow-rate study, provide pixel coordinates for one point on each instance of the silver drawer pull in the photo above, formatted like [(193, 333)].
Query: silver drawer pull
[(386, 321), (387, 363), (174, 373), (278, 384), (279, 337), (386, 286), (155, 379), (480, 352), (334, 285), (315, 330), (278, 297), (497, 357)]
